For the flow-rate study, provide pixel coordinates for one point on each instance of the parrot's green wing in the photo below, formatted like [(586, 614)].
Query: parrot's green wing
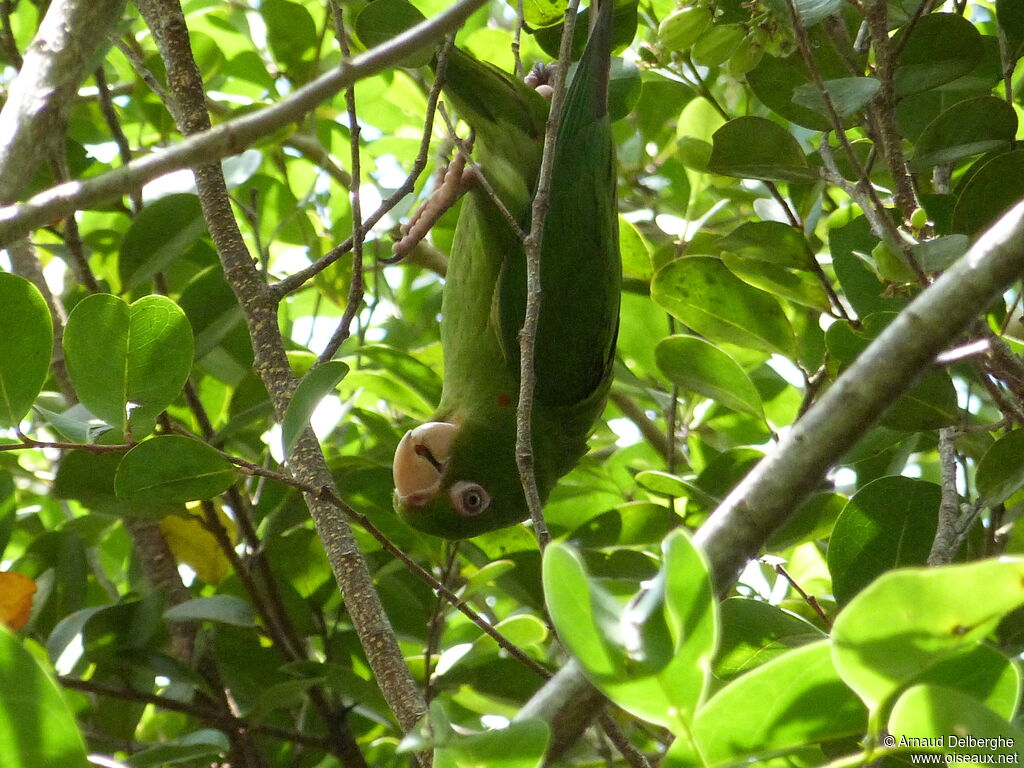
[(457, 477)]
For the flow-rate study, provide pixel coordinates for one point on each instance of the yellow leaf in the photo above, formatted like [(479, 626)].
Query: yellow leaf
[(196, 547), (15, 599)]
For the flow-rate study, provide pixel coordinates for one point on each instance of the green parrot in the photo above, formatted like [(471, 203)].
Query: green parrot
[(456, 476)]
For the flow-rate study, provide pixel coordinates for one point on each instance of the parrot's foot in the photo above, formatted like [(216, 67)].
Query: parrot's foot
[(458, 178), (540, 78)]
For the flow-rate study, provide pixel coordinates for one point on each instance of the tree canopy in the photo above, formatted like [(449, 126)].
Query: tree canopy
[(793, 540)]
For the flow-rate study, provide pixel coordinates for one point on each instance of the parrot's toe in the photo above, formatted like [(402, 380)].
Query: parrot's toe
[(420, 461)]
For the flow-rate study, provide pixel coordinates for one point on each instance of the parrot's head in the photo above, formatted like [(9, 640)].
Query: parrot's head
[(456, 481)]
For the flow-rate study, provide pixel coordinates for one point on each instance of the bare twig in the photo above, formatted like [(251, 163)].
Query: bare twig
[(297, 279), (355, 289), (532, 245), (955, 520)]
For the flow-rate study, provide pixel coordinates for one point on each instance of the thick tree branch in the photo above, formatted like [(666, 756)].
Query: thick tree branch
[(228, 138), (887, 368)]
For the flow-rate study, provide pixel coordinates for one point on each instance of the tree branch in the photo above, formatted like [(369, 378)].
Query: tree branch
[(228, 138), (532, 245), (307, 461), (890, 364)]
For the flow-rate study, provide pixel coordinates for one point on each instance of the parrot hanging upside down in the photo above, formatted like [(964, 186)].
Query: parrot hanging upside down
[(456, 476)]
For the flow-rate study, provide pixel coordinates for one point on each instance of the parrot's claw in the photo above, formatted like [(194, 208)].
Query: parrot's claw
[(457, 180), (540, 78), (420, 460)]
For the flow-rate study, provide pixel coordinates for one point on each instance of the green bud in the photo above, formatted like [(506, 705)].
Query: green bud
[(891, 266), (680, 30), (746, 57), (717, 44), (919, 218)]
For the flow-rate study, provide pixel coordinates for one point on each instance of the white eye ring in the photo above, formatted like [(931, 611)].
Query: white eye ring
[(469, 499)]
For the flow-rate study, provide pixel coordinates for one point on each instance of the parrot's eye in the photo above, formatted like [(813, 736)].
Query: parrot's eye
[(469, 499)]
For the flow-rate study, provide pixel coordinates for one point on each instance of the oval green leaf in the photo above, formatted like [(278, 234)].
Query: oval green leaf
[(795, 286), (313, 388), (941, 48), (847, 94), (800, 699), (173, 468), (996, 186), (941, 715), (163, 231), (699, 366), (931, 614), (770, 241), (227, 609), (703, 294), (970, 127), (757, 148), (37, 727), (26, 343), (128, 362), (1000, 472), (888, 523)]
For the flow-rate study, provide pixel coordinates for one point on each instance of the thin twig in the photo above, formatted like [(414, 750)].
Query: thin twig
[(297, 279), (221, 720), (355, 289), (811, 600), (532, 245)]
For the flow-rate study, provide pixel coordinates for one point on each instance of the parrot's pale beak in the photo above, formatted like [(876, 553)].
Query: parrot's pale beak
[(420, 461)]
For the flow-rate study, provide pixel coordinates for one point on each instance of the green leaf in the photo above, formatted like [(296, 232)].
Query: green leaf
[(941, 48), (770, 241), (636, 252), (313, 388), (173, 468), (128, 362), (37, 728), (291, 32), (651, 658), (796, 699), (799, 287), (89, 478), (226, 609), (810, 12), (970, 127), (701, 292), (26, 343), (163, 231), (754, 147), (583, 613), (955, 721), (755, 632), (543, 13), (382, 20), (847, 94), (931, 615), (775, 81), (699, 366), (888, 523), (982, 672), (521, 745), (1010, 14), (204, 744), (990, 192), (1000, 473)]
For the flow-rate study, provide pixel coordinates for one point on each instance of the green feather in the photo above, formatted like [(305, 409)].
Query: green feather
[(485, 293)]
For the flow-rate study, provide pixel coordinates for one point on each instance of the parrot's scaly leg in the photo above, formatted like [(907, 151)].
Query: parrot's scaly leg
[(457, 181)]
